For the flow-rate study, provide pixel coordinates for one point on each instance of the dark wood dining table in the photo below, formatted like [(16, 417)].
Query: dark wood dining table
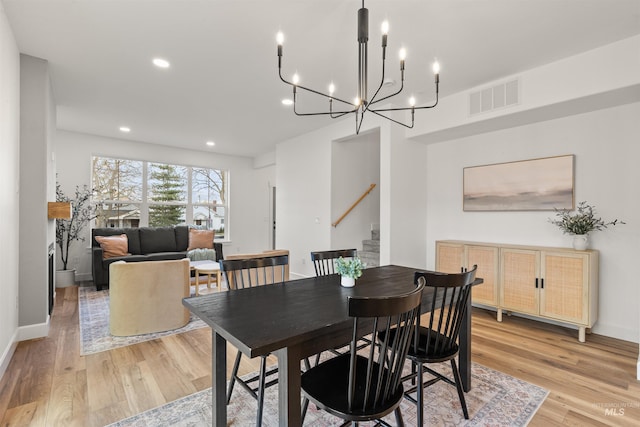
[(295, 320)]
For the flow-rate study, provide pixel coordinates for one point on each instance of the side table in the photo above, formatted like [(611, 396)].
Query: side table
[(208, 268)]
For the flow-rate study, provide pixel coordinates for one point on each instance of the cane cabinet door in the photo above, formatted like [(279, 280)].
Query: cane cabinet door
[(564, 294), (519, 276), (449, 257)]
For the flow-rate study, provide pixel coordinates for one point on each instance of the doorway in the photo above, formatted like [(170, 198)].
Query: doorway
[(273, 217)]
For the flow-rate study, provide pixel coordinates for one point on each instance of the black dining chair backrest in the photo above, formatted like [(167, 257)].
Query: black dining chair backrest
[(323, 261), (365, 384), (399, 312), (247, 273), (438, 338), (250, 272)]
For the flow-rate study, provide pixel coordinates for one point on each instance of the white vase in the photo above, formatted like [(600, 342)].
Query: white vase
[(65, 278), (347, 282), (580, 242)]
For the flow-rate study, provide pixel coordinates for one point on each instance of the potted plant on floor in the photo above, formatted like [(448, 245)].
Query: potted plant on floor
[(349, 270), (70, 230), (581, 223)]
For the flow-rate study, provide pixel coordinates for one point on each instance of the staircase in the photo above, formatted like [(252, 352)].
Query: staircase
[(370, 253)]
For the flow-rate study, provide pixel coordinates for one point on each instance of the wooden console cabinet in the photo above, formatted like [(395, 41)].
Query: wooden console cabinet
[(553, 283)]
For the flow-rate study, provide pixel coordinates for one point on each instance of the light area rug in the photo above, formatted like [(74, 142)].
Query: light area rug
[(496, 399), (94, 324)]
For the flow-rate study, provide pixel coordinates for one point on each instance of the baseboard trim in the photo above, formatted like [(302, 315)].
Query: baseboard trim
[(85, 277), (30, 332), (8, 353)]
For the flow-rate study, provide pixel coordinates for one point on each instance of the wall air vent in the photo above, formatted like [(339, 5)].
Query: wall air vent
[(505, 94)]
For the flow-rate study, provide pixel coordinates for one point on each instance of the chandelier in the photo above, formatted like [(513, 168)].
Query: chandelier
[(362, 103)]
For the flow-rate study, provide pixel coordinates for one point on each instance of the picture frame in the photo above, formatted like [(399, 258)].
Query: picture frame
[(542, 184)]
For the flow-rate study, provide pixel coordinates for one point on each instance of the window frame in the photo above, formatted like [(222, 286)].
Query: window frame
[(189, 205)]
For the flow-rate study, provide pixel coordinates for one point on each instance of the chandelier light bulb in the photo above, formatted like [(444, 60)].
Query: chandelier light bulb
[(436, 67), (385, 27), (280, 38), (356, 101), (332, 89), (296, 79), (403, 54), (412, 101)]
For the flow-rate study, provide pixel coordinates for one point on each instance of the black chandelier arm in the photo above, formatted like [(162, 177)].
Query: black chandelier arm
[(407, 108), (311, 90), (337, 114), (390, 96), (359, 125), (379, 87), (332, 114), (376, 112)]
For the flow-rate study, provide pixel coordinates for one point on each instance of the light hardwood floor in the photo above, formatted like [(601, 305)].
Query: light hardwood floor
[(48, 383)]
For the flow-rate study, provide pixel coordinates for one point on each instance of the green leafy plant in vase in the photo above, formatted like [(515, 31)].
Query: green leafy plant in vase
[(581, 223), (349, 269)]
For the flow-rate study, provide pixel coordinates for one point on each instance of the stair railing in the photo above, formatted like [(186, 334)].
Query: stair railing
[(365, 194)]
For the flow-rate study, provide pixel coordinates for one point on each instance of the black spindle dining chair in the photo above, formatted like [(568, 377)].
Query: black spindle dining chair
[(324, 265), (366, 385), (437, 341), (324, 261), (246, 273)]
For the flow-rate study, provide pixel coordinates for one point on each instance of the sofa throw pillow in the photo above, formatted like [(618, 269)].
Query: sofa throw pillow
[(202, 255), (200, 239), (113, 246)]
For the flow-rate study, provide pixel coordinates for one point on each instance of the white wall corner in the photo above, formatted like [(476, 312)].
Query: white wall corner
[(264, 160), (30, 332), (7, 354)]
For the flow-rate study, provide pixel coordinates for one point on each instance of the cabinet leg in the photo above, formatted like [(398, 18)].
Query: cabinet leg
[(581, 334), (499, 316)]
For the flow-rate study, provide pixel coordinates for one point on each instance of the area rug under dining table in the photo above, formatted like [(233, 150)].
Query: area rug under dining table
[(496, 399), (94, 324)]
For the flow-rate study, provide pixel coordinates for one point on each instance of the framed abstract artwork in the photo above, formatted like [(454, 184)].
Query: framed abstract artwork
[(527, 185)]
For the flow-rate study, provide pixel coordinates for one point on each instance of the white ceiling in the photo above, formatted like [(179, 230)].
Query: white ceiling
[(223, 83)]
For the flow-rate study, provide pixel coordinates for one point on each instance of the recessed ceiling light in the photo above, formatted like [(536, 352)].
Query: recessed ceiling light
[(125, 129), (161, 63), (287, 102), (211, 143)]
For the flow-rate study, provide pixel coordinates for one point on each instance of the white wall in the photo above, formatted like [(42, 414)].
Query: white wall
[(606, 147), (37, 119), (303, 182), (9, 189), (248, 187), (407, 183)]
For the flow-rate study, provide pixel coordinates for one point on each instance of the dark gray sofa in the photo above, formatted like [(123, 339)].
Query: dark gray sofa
[(145, 244)]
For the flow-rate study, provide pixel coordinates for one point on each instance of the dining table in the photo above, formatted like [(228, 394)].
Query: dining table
[(295, 320)]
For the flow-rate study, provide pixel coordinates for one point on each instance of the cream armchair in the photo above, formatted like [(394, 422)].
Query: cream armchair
[(146, 297)]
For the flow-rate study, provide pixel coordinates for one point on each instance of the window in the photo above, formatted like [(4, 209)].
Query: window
[(133, 193)]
